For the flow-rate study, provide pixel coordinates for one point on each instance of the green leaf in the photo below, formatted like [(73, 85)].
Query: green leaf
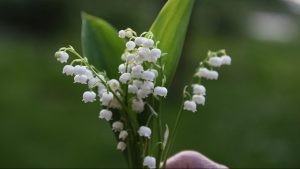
[(170, 29), (101, 44)]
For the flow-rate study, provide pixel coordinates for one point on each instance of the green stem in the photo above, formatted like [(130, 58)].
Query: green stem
[(173, 135)]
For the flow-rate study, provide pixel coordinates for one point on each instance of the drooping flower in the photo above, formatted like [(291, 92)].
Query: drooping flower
[(105, 114), (138, 105), (68, 70), (215, 61), (160, 91), (62, 56), (89, 96), (117, 126), (199, 99), (199, 89), (106, 98), (82, 79), (149, 162), (144, 131), (123, 135), (121, 146), (190, 106)]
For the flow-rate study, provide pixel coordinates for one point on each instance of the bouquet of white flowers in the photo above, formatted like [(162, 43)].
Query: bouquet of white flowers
[(131, 102)]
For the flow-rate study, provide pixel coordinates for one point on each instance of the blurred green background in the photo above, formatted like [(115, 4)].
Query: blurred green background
[(252, 115)]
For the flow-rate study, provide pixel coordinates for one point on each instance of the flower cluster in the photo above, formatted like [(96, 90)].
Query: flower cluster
[(141, 77), (206, 70)]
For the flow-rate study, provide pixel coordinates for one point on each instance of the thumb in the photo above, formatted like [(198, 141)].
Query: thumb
[(192, 159)]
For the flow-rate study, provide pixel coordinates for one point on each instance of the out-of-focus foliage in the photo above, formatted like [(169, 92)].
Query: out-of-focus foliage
[(251, 118), (170, 28), (101, 44)]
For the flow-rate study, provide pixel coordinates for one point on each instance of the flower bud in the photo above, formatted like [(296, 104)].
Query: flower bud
[(121, 146), (128, 34), (123, 135), (117, 126), (138, 105), (122, 34)]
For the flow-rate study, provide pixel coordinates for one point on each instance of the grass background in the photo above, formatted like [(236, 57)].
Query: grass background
[(252, 115)]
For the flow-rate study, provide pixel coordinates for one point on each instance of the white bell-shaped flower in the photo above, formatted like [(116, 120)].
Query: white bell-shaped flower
[(89, 96), (199, 99), (122, 34), (212, 75), (123, 135), (125, 77), (137, 83), (138, 105), (136, 71), (130, 45), (89, 74), (101, 89), (160, 91), (117, 126), (139, 41), (149, 162), (148, 75), (93, 82), (80, 70), (143, 93), (121, 146), (132, 89), (82, 79), (122, 68), (128, 34), (190, 106), (226, 60), (199, 89), (106, 98), (143, 51), (114, 84), (147, 85), (105, 114), (62, 56), (144, 131), (148, 43), (215, 61), (68, 70), (202, 72), (155, 52), (114, 104)]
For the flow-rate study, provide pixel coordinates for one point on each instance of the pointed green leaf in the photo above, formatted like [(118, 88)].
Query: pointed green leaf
[(170, 29), (101, 44)]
